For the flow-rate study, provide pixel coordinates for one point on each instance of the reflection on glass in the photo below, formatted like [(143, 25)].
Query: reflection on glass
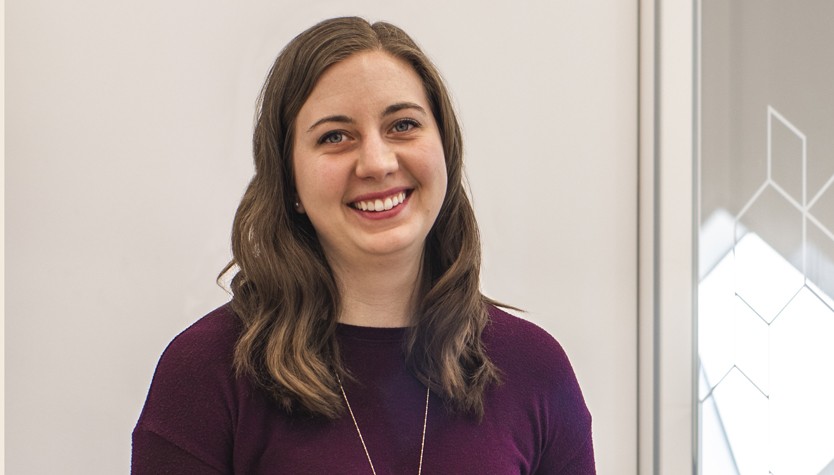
[(766, 381), (766, 244)]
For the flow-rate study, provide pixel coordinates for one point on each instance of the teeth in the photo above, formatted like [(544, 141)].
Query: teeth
[(389, 202)]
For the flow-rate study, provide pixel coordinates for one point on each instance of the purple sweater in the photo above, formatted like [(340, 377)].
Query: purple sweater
[(200, 419)]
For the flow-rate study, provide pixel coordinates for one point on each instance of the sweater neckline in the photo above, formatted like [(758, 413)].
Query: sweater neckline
[(356, 332)]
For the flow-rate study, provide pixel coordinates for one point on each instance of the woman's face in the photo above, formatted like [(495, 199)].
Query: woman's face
[(368, 160)]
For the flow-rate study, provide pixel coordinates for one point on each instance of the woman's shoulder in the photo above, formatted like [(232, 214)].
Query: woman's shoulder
[(190, 407), (536, 371), (199, 359), (211, 339), (509, 335), (527, 354)]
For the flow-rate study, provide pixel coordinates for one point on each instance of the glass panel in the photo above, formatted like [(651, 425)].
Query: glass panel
[(766, 237)]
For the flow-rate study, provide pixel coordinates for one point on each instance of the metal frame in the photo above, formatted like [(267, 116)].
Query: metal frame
[(667, 255)]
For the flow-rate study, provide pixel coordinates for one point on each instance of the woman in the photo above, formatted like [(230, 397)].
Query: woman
[(357, 339)]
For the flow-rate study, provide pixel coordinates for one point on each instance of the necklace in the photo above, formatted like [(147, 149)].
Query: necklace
[(362, 439)]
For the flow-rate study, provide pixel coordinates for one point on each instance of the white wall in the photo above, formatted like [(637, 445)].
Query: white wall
[(127, 148)]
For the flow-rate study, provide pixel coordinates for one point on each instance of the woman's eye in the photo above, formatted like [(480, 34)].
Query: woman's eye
[(405, 125), (332, 137)]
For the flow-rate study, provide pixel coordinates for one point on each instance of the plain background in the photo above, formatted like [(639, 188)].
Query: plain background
[(128, 128)]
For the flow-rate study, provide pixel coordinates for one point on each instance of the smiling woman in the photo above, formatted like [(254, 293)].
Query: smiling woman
[(357, 338)]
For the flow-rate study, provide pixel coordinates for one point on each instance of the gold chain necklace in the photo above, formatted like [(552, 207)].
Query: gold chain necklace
[(362, 439)]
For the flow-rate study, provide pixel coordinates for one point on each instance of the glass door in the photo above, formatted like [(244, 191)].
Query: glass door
[(766, 237)]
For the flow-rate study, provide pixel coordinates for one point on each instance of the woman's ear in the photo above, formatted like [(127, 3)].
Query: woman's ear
[(299, 208)]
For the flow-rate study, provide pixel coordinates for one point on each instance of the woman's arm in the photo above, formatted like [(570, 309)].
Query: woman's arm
[(154, 455)]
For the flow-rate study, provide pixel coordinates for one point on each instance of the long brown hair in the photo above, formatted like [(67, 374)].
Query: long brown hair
[(284, 290)]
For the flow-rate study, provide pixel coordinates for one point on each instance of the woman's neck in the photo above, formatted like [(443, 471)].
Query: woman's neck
[(378, 294)]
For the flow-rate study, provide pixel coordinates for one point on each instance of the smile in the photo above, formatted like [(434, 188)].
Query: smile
[(381, 204)]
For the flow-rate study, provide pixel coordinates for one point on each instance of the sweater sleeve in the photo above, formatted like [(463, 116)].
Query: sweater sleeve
[(569, 448), (187, 423), (581, 462), (538, 367), (156, 455)]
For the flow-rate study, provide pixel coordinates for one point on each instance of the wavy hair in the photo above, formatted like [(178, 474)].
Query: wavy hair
[(284, 291)]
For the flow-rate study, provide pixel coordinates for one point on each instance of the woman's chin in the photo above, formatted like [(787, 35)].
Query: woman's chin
[(393, 245)]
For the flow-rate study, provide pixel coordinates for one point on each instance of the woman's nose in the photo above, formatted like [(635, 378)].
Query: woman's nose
[(376, 159)]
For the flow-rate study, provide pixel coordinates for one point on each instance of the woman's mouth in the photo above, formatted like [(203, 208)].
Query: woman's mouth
[(381, 204)]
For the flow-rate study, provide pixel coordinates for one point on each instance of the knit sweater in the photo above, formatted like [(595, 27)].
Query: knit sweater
[(199, 418)]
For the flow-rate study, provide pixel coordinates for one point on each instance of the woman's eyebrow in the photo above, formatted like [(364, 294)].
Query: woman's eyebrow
[(394, 108), (341, 119)]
